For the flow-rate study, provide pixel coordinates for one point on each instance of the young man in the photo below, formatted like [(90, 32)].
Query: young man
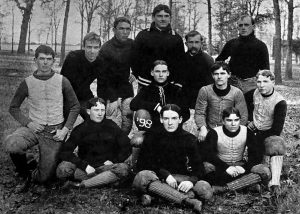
[(224, 148), (82, 67), (198, 65), (114, 85), (170, 165), (213, 99), (247, 55), (46, 92), (158, 42), (102, 148), (159, 93), (267, 115)]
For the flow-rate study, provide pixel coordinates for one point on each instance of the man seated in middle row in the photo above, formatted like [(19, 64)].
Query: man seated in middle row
[(102, 149), (213, 99)]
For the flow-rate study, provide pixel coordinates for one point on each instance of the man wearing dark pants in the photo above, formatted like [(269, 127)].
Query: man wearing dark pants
[(247, 55)]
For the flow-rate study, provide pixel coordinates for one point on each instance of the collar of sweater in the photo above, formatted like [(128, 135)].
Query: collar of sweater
[(44, 77), (247, 38), (220, 92), (168, 29), (268, 95), (231, 134), (118, 43), (157, 84)]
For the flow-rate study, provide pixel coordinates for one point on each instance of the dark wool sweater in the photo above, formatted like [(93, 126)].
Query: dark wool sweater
[(149, 97), (168, 153), (209, 149), (248, 56), (81, 73), (113, 81), (153, 44), (197, 74), (97, 143)]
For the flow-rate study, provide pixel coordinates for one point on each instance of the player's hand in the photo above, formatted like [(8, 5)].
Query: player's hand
[(251, 126), (185, 186), (35, 127), (61, 134), (232, 171), (202, 134), (89, 169), (108, 162), (171, 181), (131, 78), (112, 107), (240, 170)]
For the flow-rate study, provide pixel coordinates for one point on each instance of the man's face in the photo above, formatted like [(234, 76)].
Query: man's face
[(44, 62), (232, 123), (160, 73), (194, 44), (161, 19), (91, 50), (122, 31), (170, 120), (97, 113), (245, 26), (265, 85), (220, 77)]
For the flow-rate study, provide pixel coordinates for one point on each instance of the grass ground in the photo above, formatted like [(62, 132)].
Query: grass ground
[(110, 200)]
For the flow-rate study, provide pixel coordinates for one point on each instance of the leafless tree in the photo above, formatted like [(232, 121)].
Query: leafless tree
[(64, 35), (277, 43)]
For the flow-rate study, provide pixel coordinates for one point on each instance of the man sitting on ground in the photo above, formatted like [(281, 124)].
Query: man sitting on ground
[(102, 148), (170, 165)]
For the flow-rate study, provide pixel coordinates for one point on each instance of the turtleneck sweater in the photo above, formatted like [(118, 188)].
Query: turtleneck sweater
[(248, 56)]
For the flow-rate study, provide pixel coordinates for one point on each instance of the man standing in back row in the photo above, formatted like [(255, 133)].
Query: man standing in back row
[(158, 42), (247, 55)]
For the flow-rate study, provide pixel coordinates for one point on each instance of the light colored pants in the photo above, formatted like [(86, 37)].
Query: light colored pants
[(24, 138), (244, 84)]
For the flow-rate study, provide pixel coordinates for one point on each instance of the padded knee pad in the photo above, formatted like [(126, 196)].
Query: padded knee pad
[(263, 171), (203, 189), (65, 170), (137, 139), (120, 169), (208, 167), (143, 179), (274, 145)]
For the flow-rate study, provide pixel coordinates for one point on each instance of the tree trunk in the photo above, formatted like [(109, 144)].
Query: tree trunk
[(64, 35), (277, 43), (288, 66), (210, 51), (23, 34)]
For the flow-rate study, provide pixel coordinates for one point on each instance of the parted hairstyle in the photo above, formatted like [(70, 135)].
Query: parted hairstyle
[(266, 73), (172, 107), (230, 110), (45, 50), (159, 62), (242, 17), (219, 64), (90, 37), (93, 102), (121, 19), (193, 33), (161, 7)]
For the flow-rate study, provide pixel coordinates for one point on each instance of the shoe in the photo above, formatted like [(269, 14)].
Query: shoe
[(72, 185), (24, 184), (194, 203), (219, 189), (146, 200), (256, 188)]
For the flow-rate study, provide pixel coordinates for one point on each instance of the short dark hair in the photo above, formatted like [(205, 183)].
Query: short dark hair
[(45, 50), (245, 16), (159, 62), (121, 19), (219, 64), (193, 33), (266, 73), (161, 7), (230, 110), (90, 37), (93, 102), (172, 107)]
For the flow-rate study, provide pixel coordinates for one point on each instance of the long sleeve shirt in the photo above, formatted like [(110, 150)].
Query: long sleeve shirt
[(69, 96), (97, 143)]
